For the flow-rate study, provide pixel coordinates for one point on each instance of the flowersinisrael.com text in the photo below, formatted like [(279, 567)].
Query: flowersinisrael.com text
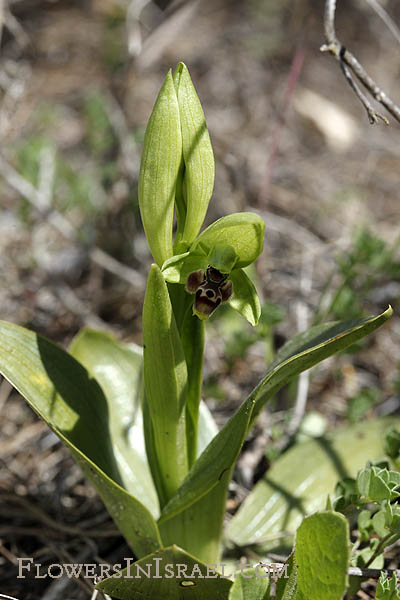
[(154, 569)]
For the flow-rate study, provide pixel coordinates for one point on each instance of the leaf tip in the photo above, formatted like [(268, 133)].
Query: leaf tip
[(389, 311)]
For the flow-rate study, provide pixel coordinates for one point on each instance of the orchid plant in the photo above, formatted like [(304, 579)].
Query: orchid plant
[(134, 419)]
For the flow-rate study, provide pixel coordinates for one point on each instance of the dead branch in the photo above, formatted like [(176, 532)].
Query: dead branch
[(350, 67)]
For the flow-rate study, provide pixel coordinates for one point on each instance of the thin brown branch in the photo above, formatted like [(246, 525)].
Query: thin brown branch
[(348, 61), (373, 116)]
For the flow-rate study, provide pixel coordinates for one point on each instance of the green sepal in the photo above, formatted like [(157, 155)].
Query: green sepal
[(177, 268), (245, 299), (222, 257), (159, 169), (165, 378), (243, 232), (198, 176)]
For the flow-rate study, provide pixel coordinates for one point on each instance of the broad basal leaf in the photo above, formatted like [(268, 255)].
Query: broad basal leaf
[(73, 404), (169, 573), (118, 370), (298, 483), (209, 476), (310, 347)]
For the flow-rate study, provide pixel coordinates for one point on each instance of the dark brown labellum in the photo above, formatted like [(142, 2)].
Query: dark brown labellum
[(211, 288)]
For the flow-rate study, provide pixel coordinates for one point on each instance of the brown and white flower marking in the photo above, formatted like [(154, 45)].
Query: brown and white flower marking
[(211, 288)]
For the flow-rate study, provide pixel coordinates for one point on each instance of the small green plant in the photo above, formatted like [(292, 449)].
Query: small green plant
[(371, 503), (134, 420), (387, 588), (369, 264)]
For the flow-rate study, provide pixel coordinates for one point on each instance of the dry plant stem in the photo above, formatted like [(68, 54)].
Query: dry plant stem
[(59, 222), (348, 63)]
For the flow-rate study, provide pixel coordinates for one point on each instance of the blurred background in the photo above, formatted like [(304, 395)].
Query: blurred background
[(78, 80)]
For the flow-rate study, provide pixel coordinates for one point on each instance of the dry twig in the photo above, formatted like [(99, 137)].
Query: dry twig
[(350, 66)]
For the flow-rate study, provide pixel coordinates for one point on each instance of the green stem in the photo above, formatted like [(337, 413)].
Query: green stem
[(386, 541), (191, 330), (193, 346)]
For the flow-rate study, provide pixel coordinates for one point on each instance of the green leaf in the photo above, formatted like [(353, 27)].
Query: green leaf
[(165, 378), (297, 483), (310, 347), (364, 519), (73, 404), (250, 585), (207, 428), (194, 515), (198, 527), (217, 459), (243, 232), (169, 573), (322, 556), (214, 467), (392, 443), (387, 589), (118, 370), (198, 177), (372, 483), (161, 159), (245, 299), (286, 588), (379, 523)]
